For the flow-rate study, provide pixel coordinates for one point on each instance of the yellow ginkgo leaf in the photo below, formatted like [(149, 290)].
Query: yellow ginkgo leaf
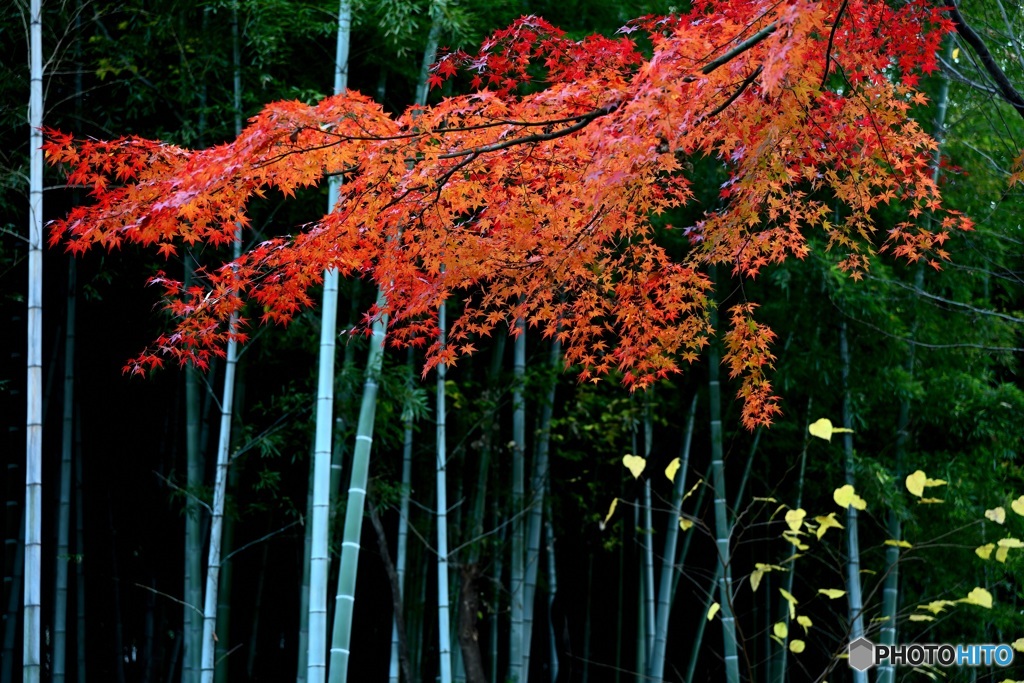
[(832, 593), (898, 544), (1001, 554), (778, 640), (921, 617), (930, 501), (685, 524), (1018, 645), (755, 579), (997, 515), (635, 464), (956, 54), (1010, 542), (805, 622), (985, 551), (611, 511), (935, 482), (1018, 506), (795, 518), (845, 496), (693, 488), (915, 483), (937, 606), (671, 470), (759, 499), (825, 523), (794, 538), (713, 610), (980, 597), (823, 429), (796, 646), (780, 629), (790, 600)]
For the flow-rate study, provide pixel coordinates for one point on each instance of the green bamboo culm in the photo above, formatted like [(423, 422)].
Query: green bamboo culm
[(656, 664), (722, 526), (345, 599)]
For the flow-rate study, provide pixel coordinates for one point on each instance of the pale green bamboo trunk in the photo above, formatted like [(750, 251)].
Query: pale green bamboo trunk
[(853, 587), (443, 616), (648, 545), (698, 638), (549, 534), (191, 626), (656, 665), (723, 528), (222, 662), (538, 485), (890, 589), (80, 632), (322, 451), (307, 545), (60, 619), (518, 560), (403, 516), (31, 625), (778, 663), (345, 600)]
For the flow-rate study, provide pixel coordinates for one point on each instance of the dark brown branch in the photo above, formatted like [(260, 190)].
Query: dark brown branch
[(396, 592), (831, 40), (1006, 88), (740, 49), (732, 98), (582, 122)]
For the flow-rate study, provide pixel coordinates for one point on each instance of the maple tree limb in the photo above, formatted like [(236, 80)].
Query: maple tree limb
[(740, 49), (739, 91), (1006, 88), (831, 40), (583, 120)]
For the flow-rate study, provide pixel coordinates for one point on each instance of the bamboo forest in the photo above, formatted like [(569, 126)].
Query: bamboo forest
[(497, 341)]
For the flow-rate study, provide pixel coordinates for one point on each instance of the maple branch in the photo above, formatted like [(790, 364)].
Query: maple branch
[(831, 40), (739, 91), (736, 51), (582, 121), (1006, 88)]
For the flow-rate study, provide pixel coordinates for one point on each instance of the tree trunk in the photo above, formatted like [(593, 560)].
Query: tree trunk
[(60, 618), (656, 666), (856, 608), (303, 660), (13, 603), (443, 618), (322, 452), (191, 628), (396, 592), (723, 527), (777, 664), (890, 589), (536, 519), (469, 637), (31, 661), (518, 563), (342, 634), (403, 523)]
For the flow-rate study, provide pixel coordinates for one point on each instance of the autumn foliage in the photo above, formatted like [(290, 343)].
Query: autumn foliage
[(533, 196)]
